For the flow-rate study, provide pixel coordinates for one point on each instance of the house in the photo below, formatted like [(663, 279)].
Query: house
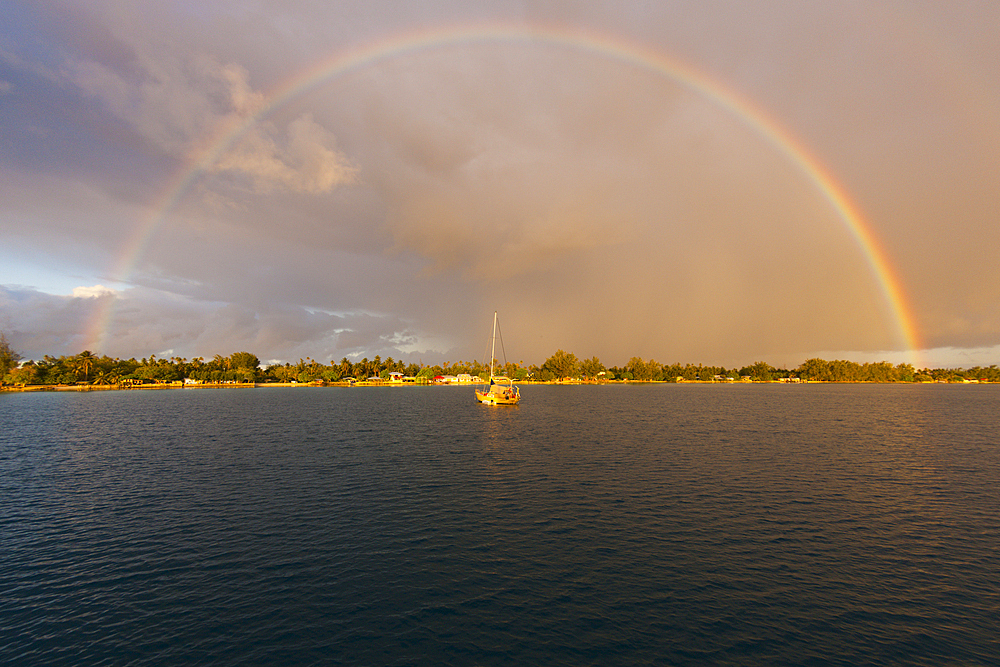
[(395, 376)]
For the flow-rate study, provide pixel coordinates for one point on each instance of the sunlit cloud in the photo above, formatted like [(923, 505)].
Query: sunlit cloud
[(92, 291), (309, 161), (176, 102)]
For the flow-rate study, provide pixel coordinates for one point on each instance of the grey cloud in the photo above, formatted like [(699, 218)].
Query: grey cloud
[(145, 321)]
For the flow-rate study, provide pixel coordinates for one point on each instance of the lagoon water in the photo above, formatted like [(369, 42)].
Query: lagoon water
[(591, 525)]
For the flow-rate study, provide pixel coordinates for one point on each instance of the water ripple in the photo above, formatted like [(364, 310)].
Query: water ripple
[(590, 525)]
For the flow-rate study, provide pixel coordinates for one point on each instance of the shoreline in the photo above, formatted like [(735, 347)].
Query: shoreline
[(264, 385)]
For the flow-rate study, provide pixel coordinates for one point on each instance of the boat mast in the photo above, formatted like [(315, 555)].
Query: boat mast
[(493, 347)]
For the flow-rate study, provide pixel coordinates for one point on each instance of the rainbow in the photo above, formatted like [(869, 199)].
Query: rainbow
[(636, 55)]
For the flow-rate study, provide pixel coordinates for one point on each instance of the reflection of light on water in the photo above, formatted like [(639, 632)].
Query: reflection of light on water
[(500, 441), (495, 418), (891, 458)]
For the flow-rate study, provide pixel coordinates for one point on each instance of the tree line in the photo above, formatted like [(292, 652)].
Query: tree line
[(88, 368), (566, 365)]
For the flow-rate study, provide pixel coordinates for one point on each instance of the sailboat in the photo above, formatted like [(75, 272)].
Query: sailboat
[(501, 390)]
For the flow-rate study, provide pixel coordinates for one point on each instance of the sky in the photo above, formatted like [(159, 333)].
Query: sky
[(711, 182)]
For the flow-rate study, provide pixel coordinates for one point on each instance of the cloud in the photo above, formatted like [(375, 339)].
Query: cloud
[(37, 323), (139, 321), (186, 104), (307, 162), (92, 292)]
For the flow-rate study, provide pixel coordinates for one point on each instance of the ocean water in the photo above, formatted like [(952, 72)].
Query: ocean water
[(591, 525)]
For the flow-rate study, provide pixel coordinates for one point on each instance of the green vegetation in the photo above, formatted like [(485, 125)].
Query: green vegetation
[(87, 368), (8, 357)]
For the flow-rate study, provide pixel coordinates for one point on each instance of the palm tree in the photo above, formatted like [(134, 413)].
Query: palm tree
[(109, 377), (83, 363)]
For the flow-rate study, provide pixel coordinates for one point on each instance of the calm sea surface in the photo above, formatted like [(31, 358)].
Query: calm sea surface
[(663, 524)]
